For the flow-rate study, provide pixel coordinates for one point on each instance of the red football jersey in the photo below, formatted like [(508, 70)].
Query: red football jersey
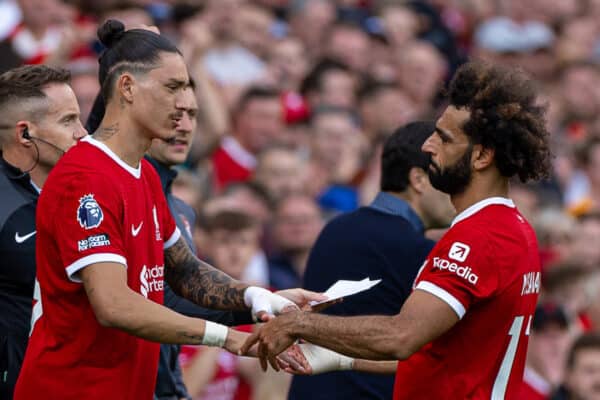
[(487, 269), (95, 208)]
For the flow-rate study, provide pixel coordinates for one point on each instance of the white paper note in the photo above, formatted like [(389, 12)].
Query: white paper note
[(344, 288)]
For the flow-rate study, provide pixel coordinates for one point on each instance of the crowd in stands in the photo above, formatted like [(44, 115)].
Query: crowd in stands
[(296, 98)]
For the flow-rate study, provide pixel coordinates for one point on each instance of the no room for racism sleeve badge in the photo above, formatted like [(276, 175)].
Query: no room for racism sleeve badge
[(89, 213)]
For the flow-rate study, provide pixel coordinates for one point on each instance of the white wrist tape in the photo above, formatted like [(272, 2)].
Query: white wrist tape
[(259, 299), (214, 334), (322, 360)]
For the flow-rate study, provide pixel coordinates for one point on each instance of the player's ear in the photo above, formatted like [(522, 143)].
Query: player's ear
[(482, 157), (125, 87), (417, 179)]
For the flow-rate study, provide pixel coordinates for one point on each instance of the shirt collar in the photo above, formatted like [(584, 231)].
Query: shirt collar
[(390, 204), (481, 205), (15, 174)]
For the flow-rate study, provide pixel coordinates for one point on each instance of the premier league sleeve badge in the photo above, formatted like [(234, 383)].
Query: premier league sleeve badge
[(89, 213)]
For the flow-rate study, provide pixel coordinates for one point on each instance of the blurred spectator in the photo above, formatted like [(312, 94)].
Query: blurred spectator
[(48, 33), (330, 83), (349, 44), (258, 121), (383, 107), (421, 73), (297, 222), (288, 63), (573, 287), (229, 63), (588, 232), (582, 375), (336, 150), (400, 24), (556, 232), (549, 342), (586, 197), (84, 81), (281, 171), (253, 29), (579, 83), (309, 20)]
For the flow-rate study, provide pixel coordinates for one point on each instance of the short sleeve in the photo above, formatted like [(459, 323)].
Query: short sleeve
[(88, 225), (460, 270)]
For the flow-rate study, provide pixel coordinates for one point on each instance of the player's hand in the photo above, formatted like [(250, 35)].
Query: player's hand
[(302, 297), (266, 305), (294, 362), (273, 338), (315, 360), (235, 340)]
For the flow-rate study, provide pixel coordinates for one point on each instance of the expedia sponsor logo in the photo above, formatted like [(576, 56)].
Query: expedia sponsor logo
[(151, 279), (93, 241), (463, 272)]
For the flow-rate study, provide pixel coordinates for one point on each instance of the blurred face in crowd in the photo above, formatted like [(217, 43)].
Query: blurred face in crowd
[(336, 145), (60, 124), (337, 89), (421, 71), (548, 349), (580, 91), (312, 21), (280, 171), (351, 46), (176, 150), (583, 379), (400, 24), (221, 16), (388, 109), (588, 232), (231, 251), (253, 26), (289, 61), (86, 87), (298, 222), (259, 123)]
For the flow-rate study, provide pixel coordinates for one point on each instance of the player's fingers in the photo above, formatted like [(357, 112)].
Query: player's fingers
[(264, 316), (262, 355), (273, 361), (250, 341)]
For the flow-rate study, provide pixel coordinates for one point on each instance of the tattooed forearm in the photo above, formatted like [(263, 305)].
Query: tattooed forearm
[(105, 132), (201, 283)]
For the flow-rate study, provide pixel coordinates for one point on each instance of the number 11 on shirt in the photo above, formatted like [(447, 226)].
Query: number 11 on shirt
[(514, 332)]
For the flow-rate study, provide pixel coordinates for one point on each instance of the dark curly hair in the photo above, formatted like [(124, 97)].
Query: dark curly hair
[(504, 116)]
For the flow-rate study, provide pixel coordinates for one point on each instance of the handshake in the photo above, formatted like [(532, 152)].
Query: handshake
[(274, 342)]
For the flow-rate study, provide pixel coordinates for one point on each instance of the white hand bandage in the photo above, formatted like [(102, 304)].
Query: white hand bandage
[(214, 334), (322, 360), (259, 299)]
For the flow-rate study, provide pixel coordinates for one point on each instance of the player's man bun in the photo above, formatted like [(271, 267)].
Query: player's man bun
[(110, 32)]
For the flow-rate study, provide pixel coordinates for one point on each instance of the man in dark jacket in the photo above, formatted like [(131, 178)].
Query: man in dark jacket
[(163, 156)]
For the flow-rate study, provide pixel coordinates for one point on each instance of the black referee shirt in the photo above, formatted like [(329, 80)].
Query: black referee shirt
[(18, 199)]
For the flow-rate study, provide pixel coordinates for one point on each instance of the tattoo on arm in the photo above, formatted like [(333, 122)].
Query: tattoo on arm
[(105, 132), (199, 282)]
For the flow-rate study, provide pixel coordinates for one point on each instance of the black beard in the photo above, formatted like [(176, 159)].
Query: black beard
[(453, 179)]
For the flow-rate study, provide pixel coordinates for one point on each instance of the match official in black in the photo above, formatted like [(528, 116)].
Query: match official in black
[(39, 121)]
